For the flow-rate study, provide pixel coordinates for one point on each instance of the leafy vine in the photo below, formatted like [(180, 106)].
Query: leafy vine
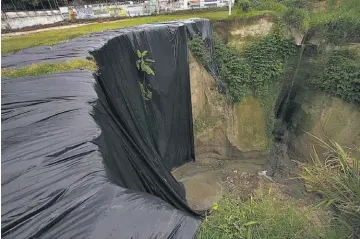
[(254, 71), (338, 74), (143, 64)]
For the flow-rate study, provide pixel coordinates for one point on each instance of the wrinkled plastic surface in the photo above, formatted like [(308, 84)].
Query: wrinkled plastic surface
[(54, 184), (144, 139), (85, 161)]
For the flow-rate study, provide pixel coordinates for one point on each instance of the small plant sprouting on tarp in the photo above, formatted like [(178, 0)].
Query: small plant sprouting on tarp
[(144, 64)]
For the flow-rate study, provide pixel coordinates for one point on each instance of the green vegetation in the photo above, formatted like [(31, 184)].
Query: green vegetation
[(337, 73), (198, 48), (48, 68), (269, 215), (16, 43), (298, 18), (234, 71), (337, 179), (143, 64), (251, 14), (266, 216), (243, 72), (340, 23), (267, 59), (256, 71)]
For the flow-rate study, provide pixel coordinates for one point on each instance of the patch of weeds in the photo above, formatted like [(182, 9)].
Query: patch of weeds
[(48, 68), (264, 216)]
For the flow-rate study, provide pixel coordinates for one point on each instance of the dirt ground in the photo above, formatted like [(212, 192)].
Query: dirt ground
[(207, 180)]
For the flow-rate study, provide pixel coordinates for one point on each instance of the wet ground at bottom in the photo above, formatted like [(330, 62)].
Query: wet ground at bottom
[(207, 180)]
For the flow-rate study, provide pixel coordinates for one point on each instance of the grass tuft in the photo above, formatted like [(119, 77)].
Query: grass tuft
[(48, 68), (336, 177)]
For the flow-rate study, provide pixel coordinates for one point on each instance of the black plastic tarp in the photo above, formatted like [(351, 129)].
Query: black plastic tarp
[(145, 139), (54, 184), (86, 156)]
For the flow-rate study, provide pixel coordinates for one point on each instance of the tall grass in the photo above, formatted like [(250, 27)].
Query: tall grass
[(336, 177)]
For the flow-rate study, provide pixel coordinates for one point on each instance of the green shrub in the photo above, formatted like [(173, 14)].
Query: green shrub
[(336, 177), (339, 75), (234, 71), (255, 71), (267, 58), (260, 64), (198, 48)]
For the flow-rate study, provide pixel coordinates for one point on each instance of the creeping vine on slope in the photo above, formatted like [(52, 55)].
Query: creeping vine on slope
[(337, 74), (256, 71)]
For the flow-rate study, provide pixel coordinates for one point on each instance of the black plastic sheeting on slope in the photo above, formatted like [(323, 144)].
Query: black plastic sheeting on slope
[(144, 139), (204, 30), (69, 174), (54, 183)]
